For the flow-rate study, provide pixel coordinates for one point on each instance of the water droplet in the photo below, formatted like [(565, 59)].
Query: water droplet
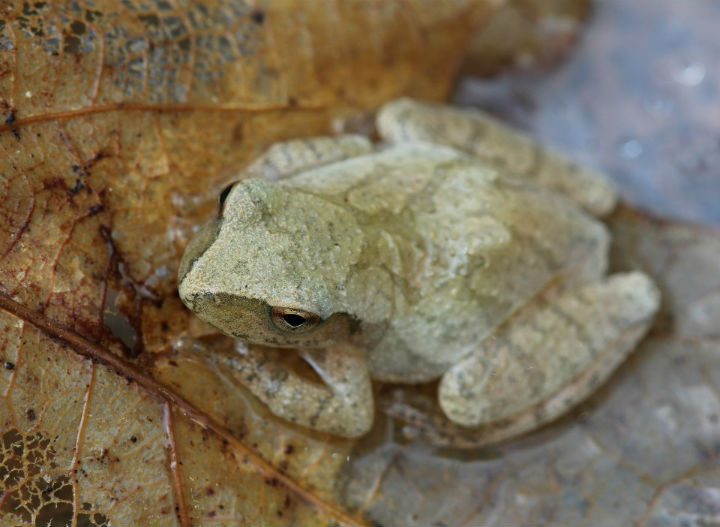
[(660, 106), (410, 432), (631, 149), (690, 74)]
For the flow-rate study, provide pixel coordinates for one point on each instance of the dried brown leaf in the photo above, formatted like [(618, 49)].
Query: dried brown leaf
[(122, 121)]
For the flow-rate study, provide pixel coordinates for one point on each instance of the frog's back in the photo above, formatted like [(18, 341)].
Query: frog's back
[(464, 246)]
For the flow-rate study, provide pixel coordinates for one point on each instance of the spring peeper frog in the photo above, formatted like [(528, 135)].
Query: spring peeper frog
[(453, 249)]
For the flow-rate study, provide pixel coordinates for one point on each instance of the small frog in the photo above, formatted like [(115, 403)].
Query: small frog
[(455, 249)]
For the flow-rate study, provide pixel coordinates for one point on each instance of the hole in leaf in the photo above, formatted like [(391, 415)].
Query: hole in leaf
[(116, 322)]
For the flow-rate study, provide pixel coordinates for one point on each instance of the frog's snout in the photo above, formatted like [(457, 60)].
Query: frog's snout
[(199, 243)]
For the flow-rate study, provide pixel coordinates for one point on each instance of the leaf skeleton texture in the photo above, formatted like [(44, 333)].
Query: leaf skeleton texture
[(119, 124), (104, 426)]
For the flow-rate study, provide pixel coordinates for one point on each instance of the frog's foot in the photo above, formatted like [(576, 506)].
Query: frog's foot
[(549, 356), (493, 142), (342, 406), (286, 158)]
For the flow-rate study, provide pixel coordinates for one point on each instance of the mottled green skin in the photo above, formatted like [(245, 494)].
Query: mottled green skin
[(424, 248), (482, 265)]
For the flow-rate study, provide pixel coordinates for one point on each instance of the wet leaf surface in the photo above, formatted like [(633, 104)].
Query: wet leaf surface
[(644, 449), (526, 35), (123, 124), (637, 98)]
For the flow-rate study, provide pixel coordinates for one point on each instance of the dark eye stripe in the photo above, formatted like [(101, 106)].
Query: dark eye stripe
[(223, 196)]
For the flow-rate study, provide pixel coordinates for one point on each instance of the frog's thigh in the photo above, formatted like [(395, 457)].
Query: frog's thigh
[(551, 355), (286, 158), (498, 145), (343, 406)]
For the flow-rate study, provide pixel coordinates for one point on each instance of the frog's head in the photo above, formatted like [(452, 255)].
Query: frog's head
[(273, 267)]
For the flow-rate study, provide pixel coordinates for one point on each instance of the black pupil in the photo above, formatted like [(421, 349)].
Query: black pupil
[(294, 320)]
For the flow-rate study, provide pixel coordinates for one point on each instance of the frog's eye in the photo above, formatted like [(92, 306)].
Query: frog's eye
[(223, 196), (289, 319)]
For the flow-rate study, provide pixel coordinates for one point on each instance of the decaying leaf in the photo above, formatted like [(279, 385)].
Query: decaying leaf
[(642, 451), (122, 122), (637, 98), (528, 34), (687, 261)]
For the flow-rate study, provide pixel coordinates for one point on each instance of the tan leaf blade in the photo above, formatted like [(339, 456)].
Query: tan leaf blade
[(168, 399), (121, 123)]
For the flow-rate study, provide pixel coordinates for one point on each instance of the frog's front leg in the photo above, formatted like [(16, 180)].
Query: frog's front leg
[(549, 356), (493, 142), (342, 406), (286, 158)]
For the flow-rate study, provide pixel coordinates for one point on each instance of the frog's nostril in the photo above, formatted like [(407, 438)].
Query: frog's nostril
[(294, 320)]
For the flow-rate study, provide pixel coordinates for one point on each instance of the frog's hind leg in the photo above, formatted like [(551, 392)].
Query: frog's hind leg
[(286, 158), (493, 142), (342, 404), (549, 356)]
